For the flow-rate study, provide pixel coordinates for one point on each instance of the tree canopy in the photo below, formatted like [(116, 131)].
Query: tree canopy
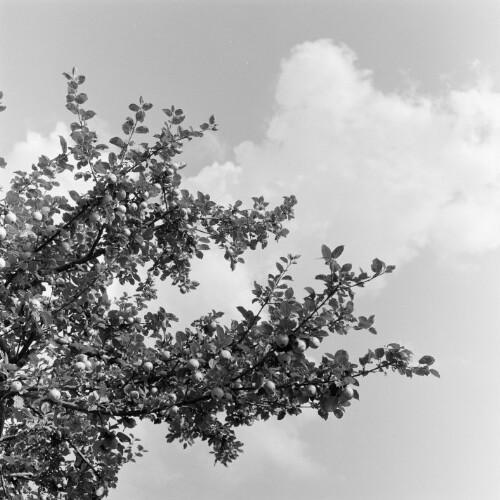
[(79, 368)]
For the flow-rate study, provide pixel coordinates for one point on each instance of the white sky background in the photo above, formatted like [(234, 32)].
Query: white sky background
[(383, 118)]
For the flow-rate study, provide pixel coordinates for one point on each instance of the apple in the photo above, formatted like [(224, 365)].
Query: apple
[(210, 328), (148, 366), (314, 342), (225, 354), (126, 231), (121, 195), (81, 357), (210, 418), (122, 209), (106, 199), (347, 393), (198, 376), (54, 395), (80, 365), (153, 391), (3, 233), (269, 386), (145, 195), (100, 491), (173, 411), (16, 386), (166, 355), (132, 207), (94, 217), (37, 215), (300, 345), (128, 388), (311, 390), (282, 340), (134, 395), (143, 205), (111, 178), (66, 246), (2, 263), (45, 210), (193, 364), (10, 218), (88, 365), (217, 393)]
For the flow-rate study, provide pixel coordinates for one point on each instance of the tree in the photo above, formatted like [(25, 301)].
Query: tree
[(79, 370)]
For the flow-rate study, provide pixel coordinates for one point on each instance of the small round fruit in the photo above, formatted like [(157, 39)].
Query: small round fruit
[(193, 364), (66, 246), (37, 216), (311, 390), (143, 205), (16, 386), (94, 217), (54, 395), (166, 355), (347, 393), (210, 328), (3, 233), (106, 199), (45, 210), (132, 207), (80, 365), (148, 366), (300, 345), (173, 411), (282, 340), (10, 218), (81, 357), (269, 386), (2, 263), (314, 342), (225, 354), (122, 209), (134, 395), (153, 391), (198, 376), (217, 393), (88, 365), (121, 195), (111, 178)]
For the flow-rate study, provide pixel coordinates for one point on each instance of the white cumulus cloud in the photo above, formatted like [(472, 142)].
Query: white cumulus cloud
[(385, 174)]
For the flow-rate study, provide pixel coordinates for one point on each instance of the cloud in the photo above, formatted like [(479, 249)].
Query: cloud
[(388, 175)]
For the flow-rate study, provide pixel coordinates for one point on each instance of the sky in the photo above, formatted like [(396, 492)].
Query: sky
[(383, 118)]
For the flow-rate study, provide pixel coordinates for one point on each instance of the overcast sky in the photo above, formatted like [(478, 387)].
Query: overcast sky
[(383, 118)]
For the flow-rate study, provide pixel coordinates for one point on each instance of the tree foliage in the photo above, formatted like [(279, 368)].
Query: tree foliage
[(79, 370)]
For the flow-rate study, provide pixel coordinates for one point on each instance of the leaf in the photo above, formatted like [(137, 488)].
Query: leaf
[(435, 373), (133, 107), (87, 115), (341, 357), (426, 360), (379, 352), (3, 163), (377, 266), (117, 142), (338, 251), (142, 130), (326, 252), (63, 143), (75, 196), (81, 98)]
